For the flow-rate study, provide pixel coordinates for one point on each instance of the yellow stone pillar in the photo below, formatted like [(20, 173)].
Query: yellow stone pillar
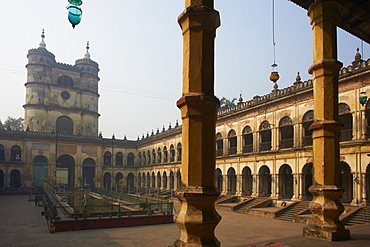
[(325, 206), (197, 217)]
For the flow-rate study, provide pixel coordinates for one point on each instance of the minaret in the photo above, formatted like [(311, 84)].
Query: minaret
[(39, 76), (89, 93)]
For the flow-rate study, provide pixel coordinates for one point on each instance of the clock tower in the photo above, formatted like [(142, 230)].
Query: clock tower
[(61, 97)]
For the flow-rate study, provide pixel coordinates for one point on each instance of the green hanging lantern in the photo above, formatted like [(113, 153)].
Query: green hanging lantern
[(74, 14), (363, 98), (75, 2)]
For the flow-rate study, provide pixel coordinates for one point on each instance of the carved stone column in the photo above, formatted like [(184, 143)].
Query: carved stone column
[(300, 187), (197, 217), (239, 188), (276, 184), (325, 206), (363, 123), (363, 187), (256, 185), (225, 184)]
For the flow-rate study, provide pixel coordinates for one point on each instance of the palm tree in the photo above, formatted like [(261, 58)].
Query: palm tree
[(226, 103)]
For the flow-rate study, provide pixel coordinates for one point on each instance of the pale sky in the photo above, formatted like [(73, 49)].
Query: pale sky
[(138, 45)]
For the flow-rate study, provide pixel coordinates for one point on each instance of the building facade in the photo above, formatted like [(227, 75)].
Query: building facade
[(263, 146)]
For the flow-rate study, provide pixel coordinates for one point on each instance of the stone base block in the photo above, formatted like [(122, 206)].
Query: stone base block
[(326, 234)]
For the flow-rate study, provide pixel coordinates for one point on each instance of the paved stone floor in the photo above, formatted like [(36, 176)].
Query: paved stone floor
[(21, 224)]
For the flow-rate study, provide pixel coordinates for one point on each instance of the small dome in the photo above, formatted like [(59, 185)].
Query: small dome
[(240, 98), (358, 55), (42, 43), (298, 77), (87, 54)]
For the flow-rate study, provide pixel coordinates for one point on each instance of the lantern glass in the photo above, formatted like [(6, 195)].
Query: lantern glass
[(363, 100), (74, 15), (75, 2)]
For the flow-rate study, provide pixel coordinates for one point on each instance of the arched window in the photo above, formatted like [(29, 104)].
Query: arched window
[(148, 157), (172, 153), (130, 159), (179, 179), (286, 132), (2, 153), (345, 117), (153, 180), (306, 124), (159, 154), (65, 81), (172, 180), (247, 140), (39, 170), (231, 181), (144, 158), (140, 159), (130, 182), (346, 182), (219, 145), (164, 178), (64, 126), (119, 159), (307, 175), (218, 179), (15, 153), (265, 136), (232, 139), (107, 181), (247, 181), (15, 179), (159, 180), (107, 158), (88, 172), (264, 181), (179, 151), (153, 156), (165, 154), (286, 181)]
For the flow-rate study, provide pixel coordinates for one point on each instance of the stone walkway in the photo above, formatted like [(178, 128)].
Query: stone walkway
[(21, 224)]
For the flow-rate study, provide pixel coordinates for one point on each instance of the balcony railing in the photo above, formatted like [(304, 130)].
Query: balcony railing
[(346, 135), (248, 148), (286, 143), (307, 141), (232, 151), (219, 152), (264, 146)]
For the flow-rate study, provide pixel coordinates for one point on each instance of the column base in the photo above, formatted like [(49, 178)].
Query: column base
[(197, 218), (328, 235)]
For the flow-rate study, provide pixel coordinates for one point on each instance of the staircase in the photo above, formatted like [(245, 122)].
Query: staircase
[(251, 203), (290, 211), (361, 216)]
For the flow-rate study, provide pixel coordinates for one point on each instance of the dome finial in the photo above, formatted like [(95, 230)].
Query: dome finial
[(358, 55), (42, 43), (87, 54)]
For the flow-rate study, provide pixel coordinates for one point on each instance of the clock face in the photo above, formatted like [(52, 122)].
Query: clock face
[(65, 95)]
